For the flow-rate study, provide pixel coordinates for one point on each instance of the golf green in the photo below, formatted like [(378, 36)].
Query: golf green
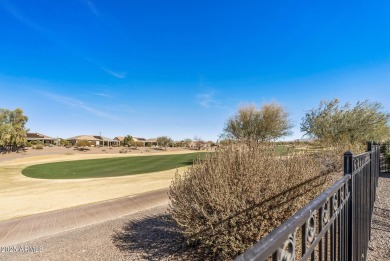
[(109, 167)]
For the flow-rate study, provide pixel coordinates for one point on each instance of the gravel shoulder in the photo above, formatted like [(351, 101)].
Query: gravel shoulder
[(379, 246)]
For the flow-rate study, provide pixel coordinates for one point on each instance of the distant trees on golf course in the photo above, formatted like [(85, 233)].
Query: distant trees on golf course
[(164, 141), (268, 123)]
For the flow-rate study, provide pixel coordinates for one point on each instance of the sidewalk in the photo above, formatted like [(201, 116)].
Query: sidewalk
[(18, 230)]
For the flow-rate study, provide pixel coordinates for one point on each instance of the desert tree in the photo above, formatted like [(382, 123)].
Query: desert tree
[(164, 141), (249, 124), (128, 141), (13, 132), (331, 122), (198, 142)]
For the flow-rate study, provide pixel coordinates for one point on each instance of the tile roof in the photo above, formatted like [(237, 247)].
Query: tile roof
[(35, 135)]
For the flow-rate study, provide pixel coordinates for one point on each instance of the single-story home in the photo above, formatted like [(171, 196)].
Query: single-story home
[(120, 139), (145, 142), (37, 137), (151, 142), (94, 140)]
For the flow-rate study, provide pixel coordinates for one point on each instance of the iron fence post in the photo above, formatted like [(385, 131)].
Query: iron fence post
[(348, 169)]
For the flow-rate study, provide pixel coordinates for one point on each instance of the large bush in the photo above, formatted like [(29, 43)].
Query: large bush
[(270, 122), (235, 196), (333, 123)]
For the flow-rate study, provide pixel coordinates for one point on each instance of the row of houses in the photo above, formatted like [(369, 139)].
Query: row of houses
[(95, 141)]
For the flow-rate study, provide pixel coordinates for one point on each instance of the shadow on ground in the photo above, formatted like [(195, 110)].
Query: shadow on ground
[(381, 219), (153, 238)]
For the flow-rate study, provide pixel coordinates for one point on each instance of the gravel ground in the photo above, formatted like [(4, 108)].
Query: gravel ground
[(145, 235), (379, 247)]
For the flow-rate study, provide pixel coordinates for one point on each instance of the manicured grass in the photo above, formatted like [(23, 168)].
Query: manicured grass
[(109, 167)]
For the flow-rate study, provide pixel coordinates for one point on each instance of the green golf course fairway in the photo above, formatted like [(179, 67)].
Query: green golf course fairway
[(109, 167)]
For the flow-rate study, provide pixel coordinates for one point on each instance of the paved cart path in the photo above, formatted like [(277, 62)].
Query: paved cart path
[(18, 230), (379, 246)]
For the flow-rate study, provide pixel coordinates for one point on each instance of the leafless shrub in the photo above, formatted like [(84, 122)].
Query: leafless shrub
[(235, 196)]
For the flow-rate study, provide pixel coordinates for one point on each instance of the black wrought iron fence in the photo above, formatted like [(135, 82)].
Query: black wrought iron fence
[(336, 225)]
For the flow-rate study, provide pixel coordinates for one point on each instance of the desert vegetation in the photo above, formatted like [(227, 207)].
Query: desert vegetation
[(226, 202), (332, 123), (12, 129), (268, 123), (164, 141), (235, 196)]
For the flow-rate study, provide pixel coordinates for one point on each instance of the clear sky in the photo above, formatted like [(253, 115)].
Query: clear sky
[(181, 68)]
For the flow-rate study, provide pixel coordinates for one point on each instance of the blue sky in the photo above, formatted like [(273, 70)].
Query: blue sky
[(181, 68)]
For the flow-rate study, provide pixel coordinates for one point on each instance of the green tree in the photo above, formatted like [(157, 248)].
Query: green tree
[(333, 123), (164, 141), (13, 132), (268, 123), (128, 140), (64, 143)]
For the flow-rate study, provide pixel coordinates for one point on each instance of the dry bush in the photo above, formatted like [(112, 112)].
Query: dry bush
[(38, 147), (332, 154), (235, 196)]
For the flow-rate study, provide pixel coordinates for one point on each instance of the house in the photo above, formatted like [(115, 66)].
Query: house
[(135, 139), (95, 141), (120, 139), (151, 142), (40, 138)]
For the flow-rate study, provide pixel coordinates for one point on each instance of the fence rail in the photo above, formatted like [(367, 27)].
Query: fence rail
[(336, 225)]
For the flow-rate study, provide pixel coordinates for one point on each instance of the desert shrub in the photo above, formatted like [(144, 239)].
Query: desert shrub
[(235, 196), (38, 147), (83, 143)]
